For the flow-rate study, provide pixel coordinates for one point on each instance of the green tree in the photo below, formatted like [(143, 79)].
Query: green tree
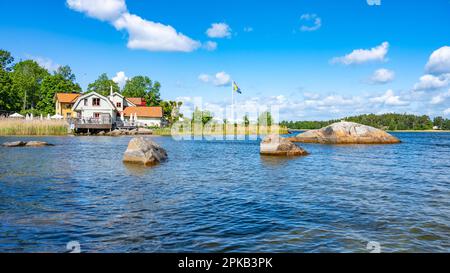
[(439, 122), (204, 116), (9, 100), (246, 121), (154, 97), (66, 72), (265, 119), (137, 87), (26, 78), (103, 85), (5, 60), (143, 87), (171, 110), (52, 84)]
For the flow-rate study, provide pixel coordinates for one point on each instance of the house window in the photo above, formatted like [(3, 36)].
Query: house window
[(96, 102), (119, 105), (85, 102), (96, 115)]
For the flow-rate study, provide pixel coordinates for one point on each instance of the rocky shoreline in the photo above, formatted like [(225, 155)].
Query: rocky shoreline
[(120, 132)]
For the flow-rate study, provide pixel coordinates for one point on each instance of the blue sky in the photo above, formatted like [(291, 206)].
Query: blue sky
[(280, 52)]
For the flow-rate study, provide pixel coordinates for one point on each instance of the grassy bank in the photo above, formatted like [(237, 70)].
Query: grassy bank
[(20, 127)]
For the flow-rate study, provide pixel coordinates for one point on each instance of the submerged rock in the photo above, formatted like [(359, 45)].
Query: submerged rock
[(346, 133), (14, 144), (278, 146), (144, 151)]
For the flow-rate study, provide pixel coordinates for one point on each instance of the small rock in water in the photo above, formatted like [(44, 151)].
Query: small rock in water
[(26, 144), (278, 146), (144, 151), (14, 144), (37, 144)]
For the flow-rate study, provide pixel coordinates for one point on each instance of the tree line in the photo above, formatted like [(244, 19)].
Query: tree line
[(390, 122), (26, 87)]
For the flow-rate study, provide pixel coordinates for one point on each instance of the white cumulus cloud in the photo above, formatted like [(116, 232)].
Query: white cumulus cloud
[(382, 76), (153, 36), (142, 34), (219, 30), (389, 98), (359, 56), (104, 10), (204, 78), (220, 79), (120, 79), (440, 98), (45, 62), (311, 22), (431, 82), (210, 45), (439, 61)]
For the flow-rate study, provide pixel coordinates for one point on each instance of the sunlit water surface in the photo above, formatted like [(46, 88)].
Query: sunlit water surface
[(222, 196)]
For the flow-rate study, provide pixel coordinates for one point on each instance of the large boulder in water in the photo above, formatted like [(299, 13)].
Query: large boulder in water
[(144, 151), (278, 146), (346, 133)]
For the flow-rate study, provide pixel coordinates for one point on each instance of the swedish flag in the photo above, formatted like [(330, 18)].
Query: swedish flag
[(236, 88)]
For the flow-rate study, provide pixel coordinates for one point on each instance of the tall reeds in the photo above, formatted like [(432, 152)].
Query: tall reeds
[(22, 127)]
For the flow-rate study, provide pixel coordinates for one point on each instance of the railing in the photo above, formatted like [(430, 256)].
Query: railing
[(100, 121)]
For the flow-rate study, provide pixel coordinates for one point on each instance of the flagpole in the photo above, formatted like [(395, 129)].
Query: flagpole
[(232, 99)]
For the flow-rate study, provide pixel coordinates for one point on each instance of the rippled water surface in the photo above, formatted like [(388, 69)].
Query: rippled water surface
[(222, 196)]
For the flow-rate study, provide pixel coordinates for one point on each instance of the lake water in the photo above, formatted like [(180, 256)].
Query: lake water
[(222, 196)]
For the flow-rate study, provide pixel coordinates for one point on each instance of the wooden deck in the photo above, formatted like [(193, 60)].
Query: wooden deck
[(101, 124)]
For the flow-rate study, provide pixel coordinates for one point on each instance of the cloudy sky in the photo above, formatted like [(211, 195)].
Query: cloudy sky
[(313, 59)]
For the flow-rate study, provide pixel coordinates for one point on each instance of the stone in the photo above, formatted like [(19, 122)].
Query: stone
[(37, 144), (14, 144), (101, 133), (144, 151), (115, 133), (26, 144), (346, 133), (144, 131), (277, 146)]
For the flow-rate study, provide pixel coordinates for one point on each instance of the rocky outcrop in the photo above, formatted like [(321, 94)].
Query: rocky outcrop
[(26, 144), (346, 133), (278, 146), (144, 151), (14, 144)]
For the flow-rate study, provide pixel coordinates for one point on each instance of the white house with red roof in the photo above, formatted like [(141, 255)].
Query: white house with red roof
[(116, 109)]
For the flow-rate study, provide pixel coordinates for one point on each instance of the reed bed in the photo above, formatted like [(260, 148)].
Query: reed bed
[(21, 127)]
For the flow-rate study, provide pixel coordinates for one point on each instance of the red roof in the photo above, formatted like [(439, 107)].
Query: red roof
[(67, 97), (138, 101), (147, 112)]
